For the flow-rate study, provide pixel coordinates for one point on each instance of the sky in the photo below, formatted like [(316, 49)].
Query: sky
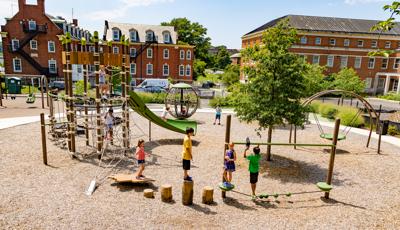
[(226, 20)]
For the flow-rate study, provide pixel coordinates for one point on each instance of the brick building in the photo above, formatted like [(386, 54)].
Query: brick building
[(154, 51), (340, 42), (30, 42)]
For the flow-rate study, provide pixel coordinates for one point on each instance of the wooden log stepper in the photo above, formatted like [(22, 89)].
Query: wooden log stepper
[(148, 193), (166, 193), (208, 195), (187, 193)]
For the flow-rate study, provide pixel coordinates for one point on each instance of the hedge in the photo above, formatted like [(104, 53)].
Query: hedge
[(347, 114)]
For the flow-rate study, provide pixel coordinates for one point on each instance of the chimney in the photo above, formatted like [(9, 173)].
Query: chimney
[(40, 4), (75, 22), (21, 4)]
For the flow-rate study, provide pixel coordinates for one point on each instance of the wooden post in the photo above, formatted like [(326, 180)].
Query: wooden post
[(227, 140), (96, 60), (43, 132), (149, 130), (338, 102), (41, 91), (123, 94), (269, 139), (1, 94), (187, 192), (357, 105), (166, 193), (333, 153), (380, 128), (208, 195), (290, 133), (295, 137), (148, 193)]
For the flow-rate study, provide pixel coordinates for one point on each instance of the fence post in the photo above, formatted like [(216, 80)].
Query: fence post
[(43, 132), (227, 140), (333, 153)]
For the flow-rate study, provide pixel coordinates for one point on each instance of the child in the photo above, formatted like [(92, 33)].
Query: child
[(218, 112), (254, 161), (165, 113), (187, 153), (229, 165), (140, 156), (109, 121)]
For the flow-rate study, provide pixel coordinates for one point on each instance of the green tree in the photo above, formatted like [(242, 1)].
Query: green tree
[(198, 68), (276, 82), (192, 33), (315, 79), (231, 76), (223, 58), (80, 87), (347, 79)]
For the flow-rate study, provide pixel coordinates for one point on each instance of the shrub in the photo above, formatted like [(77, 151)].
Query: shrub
[(156, 98), (221, 101), (315, 106), (347, 117), (392, 131), (391, 96), (328, 111)]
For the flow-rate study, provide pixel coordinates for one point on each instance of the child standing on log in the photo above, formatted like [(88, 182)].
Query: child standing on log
[(140, 156), (229, 165), (187, 153), (254, 162)]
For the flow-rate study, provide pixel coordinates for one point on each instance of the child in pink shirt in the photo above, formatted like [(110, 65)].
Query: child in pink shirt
[(140, 156)]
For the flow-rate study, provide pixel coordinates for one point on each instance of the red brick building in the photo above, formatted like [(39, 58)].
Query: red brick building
[(31, 45), (154, 51), (339, 42)]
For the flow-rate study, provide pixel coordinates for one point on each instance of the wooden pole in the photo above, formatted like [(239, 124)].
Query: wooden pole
[(1, 93), (127, 89), (123, 94), (66, 82), (269, 139), (149, 130), (85, 97), (187, 192), (295, 136), (96, 60), (333, 153), (227, 140), (290, 133), (71, 101), (380, 128), (43, 133)]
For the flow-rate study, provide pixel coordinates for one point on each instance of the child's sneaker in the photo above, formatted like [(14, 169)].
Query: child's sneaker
[(253, 197), (188, 178), (226, 184)]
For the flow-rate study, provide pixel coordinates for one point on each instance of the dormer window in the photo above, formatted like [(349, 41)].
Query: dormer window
[(32, 25), (115, 34), (303, 40), (167, 37), (133, 36), (150, 36)]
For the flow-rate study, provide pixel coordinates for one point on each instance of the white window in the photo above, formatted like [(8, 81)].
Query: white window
[(371, 63), (381, 82), (167, 37), (357, 62), (51, 47), (115, 33), (133, 52), (317, 41), (149, 69), (303, 40), (188, 55), (33, 44), (182, 54), (15, 44), (165, 70), (149, 53), (17, 65), (343, 61), (385, 62), (52, 66), (32, 25), (133, 35), (396, 63), (346, 42), (315, 59), (115, 50), (368, 83), (360, 43), (166, 53), (388, 45), (330, 60), (181, 70), (133, 68), (332, 41), (188, 70), (374, 44)]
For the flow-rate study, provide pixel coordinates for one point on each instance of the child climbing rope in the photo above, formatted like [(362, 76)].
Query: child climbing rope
[(140, 156), (109, 122), (254, 160), (229, 165)]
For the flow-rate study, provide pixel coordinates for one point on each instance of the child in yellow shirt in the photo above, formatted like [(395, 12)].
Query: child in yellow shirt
[(187, 153)]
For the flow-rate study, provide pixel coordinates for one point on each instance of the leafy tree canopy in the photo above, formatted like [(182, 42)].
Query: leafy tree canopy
[(347, 79)]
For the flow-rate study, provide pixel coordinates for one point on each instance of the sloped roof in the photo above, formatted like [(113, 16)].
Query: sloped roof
[(141, 29), (329, 24)]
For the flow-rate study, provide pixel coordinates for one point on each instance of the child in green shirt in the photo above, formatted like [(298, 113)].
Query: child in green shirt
[(254, 160)]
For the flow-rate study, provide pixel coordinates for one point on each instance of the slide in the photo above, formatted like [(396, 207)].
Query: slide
[(178, 126)]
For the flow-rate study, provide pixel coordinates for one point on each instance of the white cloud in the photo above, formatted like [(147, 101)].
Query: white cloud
[(354, 2), (123, 8)]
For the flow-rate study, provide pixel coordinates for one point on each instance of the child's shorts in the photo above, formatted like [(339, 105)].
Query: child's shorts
[(253, 178), (186, 164), (230, 167), (140, 162), (109, 127), (218, 117)]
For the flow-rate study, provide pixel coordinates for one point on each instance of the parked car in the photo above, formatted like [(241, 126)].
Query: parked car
[(207, 85), (150, 89), (60, 85)]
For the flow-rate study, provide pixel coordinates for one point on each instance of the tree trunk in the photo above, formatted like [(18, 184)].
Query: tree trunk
[(269, 141), (166, 193), (208, 194), (187, 193)]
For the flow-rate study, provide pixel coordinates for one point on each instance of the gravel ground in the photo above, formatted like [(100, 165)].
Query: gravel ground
[(33, 196)]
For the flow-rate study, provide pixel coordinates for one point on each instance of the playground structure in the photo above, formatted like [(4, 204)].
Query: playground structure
[(183, 100), (65, 124)]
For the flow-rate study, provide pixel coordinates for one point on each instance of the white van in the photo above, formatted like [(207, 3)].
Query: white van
[(163, 83)]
